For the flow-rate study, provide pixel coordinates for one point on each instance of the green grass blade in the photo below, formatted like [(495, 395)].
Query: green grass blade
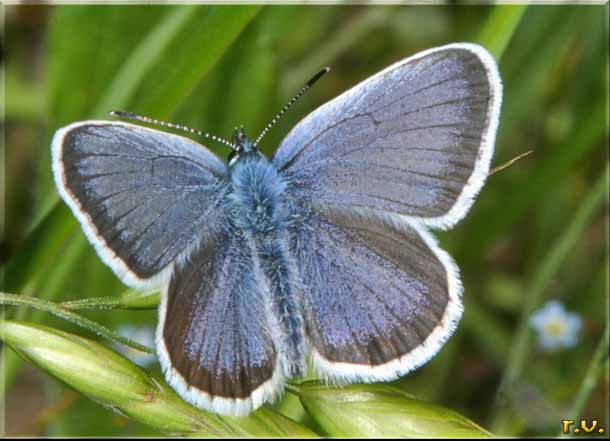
[(87, 44), (39, 248), (129, 299), (239, 88), (83, 322), (146, 55), (341, 41), (592, 377), (197, 47), (500, 27)]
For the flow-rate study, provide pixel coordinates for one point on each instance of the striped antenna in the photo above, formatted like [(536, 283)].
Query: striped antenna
[(294, 99), (146, 119)]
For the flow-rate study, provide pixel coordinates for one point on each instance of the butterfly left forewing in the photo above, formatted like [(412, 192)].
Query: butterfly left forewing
[(215, 336), (380, 299)]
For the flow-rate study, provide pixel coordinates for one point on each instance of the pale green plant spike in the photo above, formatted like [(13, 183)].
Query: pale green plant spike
[(134, 299), (381, 411), (266, 420), (116, 383)]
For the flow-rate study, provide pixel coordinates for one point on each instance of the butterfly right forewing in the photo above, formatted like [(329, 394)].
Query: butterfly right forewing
[(143, 197)]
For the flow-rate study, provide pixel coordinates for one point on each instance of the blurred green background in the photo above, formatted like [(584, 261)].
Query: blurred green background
[(538, 231)]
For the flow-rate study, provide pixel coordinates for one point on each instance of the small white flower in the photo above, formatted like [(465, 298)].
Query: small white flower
[(556, 327), (145, 335)]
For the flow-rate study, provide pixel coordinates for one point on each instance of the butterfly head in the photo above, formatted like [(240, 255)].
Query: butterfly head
[(242, 145)]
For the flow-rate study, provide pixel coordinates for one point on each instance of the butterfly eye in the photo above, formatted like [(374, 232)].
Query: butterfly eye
[(233, 157)]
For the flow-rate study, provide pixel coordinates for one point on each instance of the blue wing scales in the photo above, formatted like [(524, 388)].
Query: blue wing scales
[(142, 196), (414, 140), (379, 298), (215, 336)]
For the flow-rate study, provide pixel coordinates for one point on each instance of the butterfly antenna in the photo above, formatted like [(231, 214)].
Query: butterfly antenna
[(146, 119), (294, 99)]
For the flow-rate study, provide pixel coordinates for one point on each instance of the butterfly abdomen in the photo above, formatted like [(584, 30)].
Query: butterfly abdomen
[(276, 265), (262, 213)]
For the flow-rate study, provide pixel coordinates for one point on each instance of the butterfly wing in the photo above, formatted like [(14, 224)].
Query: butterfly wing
[(142, 196), (215, 337), (413, 141), (380, 298), (406, 149)]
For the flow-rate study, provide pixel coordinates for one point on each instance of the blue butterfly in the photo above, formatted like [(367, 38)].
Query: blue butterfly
[(321, 254)]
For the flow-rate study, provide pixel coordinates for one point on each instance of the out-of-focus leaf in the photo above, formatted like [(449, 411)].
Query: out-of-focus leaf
[(241, 86), (358, 28), (86, 44), (143, 58), (194, 49), (380, 410), (39, 248), (500, 27), (488, 332)]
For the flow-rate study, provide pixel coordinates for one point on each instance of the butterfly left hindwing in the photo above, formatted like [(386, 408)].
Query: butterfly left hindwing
[(215, 340)]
